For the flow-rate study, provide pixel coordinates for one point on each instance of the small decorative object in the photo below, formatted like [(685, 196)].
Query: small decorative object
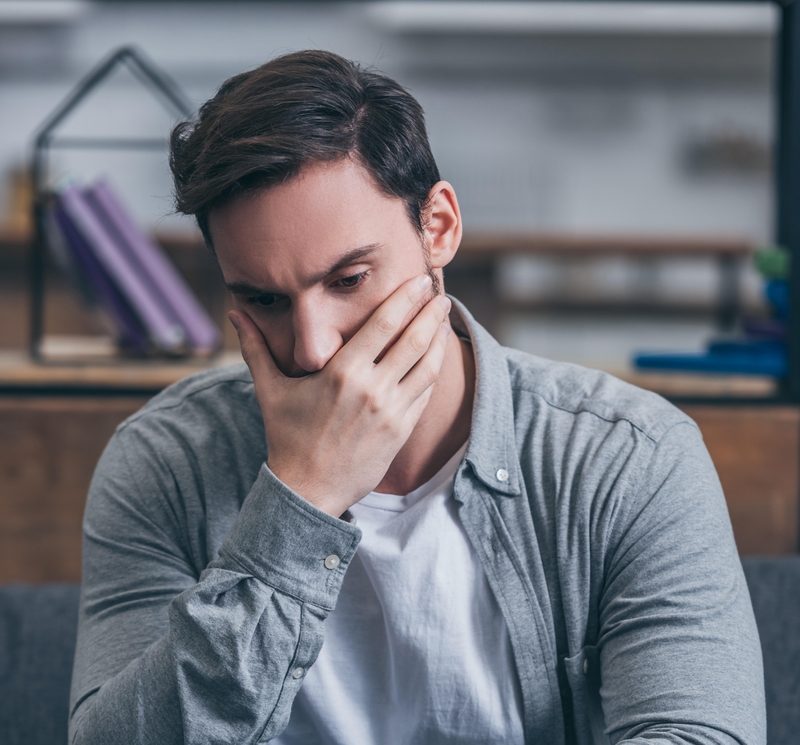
[(116, 265)]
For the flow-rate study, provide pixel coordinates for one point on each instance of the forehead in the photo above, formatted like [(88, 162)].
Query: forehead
[(326, 204), (281, 236)]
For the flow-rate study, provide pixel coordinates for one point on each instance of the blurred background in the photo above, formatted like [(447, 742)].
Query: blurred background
[(652, 122)]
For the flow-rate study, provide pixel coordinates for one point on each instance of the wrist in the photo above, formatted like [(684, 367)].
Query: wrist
[(313, 490)]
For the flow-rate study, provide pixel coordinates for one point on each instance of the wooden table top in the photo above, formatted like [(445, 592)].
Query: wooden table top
[(19, 374)]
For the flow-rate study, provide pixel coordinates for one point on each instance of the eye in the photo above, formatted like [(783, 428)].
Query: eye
[(352, 281), (267, 300)]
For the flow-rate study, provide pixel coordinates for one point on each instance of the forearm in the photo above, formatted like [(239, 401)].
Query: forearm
[(223, 673), (237, 643)]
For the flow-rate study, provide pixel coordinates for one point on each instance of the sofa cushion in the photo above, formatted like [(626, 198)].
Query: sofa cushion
[(775, 589), (37, 644)]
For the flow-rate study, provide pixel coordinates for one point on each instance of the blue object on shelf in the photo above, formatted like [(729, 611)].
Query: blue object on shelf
[(750, 346), (744, 362), (776, 291)]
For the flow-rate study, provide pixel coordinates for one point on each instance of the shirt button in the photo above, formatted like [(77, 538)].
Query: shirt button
[(586, 667), (298, 673), (331, 562), (502, 475)]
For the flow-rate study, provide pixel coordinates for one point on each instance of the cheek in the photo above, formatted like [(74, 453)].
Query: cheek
[(351, 316), (276, 329)]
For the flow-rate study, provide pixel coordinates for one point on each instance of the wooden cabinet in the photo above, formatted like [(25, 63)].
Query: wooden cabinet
[(756, 451), (48, 451), (49, 446)]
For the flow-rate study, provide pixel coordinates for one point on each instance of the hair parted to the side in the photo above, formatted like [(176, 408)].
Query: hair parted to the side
[(264, 125)]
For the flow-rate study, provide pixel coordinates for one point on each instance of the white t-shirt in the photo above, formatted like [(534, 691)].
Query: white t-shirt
[(416, 650)]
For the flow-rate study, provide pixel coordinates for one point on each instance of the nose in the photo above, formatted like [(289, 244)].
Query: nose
[(316, 338)]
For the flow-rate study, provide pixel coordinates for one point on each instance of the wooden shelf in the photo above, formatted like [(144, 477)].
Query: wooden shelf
[(17, 372), (493, 244), (187, 240), (686, 385)]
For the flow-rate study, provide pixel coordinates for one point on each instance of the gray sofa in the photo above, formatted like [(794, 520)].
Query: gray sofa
[(37, 636)]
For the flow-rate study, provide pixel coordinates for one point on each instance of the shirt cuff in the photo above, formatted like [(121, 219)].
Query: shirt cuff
[(289, 544)]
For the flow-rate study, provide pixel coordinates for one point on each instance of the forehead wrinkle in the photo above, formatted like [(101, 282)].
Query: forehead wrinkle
[(349, 257)]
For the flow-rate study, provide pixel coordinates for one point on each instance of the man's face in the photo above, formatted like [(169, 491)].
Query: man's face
[(311, 259)]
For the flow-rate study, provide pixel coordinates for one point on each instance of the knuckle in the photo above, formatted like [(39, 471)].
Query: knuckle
[(247, 354), (412, 294), (339, 377), (418, 343), (429, 375), (372, 401), (384, 324)]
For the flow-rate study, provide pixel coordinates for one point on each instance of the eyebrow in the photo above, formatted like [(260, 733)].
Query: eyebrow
[(351, 257)]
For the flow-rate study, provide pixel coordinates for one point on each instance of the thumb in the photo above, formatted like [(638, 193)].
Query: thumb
[(254, 347)]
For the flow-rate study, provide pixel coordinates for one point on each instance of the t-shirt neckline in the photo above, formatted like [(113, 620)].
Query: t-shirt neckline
[(400, 503)]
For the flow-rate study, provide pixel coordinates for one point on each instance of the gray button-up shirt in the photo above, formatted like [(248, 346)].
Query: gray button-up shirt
[(593, 508)]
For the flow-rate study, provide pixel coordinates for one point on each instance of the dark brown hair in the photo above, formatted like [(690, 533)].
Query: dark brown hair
[(264, 125)]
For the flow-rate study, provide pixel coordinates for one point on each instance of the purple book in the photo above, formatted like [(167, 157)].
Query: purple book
[(175, 297), (165, 334), (132, 333), (764, 328), (64, 258)]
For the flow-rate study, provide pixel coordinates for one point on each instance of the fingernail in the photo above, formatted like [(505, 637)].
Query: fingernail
[(423, 282), (444, 301), (446, 329), (234, 319)]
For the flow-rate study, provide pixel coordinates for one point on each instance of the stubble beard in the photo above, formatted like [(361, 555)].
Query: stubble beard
[(436, 284)]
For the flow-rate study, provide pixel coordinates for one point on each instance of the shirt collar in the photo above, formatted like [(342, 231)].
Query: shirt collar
[(492, 450)]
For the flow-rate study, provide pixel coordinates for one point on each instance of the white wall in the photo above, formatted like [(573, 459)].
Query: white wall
[(558, 130), (591, 144)]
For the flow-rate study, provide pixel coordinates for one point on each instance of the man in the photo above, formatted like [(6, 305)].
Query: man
[(495, 548)]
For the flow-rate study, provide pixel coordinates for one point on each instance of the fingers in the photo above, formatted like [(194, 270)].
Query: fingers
[(254, 348), (417, 384), (386, 323), (416, 339)]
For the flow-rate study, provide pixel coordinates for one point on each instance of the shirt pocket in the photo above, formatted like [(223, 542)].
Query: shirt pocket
[(583, 674)]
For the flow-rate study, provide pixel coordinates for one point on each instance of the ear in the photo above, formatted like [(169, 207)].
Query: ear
[(442, 224)]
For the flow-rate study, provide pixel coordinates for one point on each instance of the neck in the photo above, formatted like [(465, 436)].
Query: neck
[(443, 427)]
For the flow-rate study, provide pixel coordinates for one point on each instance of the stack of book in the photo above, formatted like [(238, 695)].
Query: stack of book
[(122, 270), (760, 349)]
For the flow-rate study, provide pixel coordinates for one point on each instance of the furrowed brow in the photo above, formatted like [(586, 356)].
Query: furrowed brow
[(242, 288), (351, 257)]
